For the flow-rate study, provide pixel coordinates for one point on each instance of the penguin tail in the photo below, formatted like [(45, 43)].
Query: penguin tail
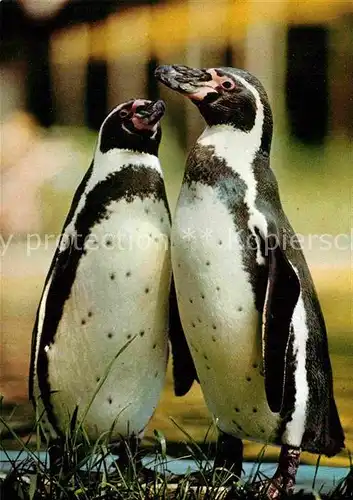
[(336, 434), (325, 436)]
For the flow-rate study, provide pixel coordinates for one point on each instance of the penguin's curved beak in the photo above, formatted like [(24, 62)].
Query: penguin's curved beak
[(197, 84), (147, 114)]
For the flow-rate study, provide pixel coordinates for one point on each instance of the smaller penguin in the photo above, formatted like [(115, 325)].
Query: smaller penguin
[(247, 302), (107, 290)]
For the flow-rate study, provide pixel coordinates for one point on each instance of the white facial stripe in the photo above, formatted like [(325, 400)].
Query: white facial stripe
[(108, 163), (239, 149), (113, 111), (126, 129)]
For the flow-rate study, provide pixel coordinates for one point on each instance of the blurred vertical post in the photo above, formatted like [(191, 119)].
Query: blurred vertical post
[(128, 51), (96, 98), (193, 56), (307, 82), (341, 75), (152, 63), (39, 85), (69, 55), (261, 58)]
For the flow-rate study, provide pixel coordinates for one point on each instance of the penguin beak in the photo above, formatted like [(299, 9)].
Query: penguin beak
[(147, 114), (193, 82)]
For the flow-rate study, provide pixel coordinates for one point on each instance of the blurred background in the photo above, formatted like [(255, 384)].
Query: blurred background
[(65, 63)]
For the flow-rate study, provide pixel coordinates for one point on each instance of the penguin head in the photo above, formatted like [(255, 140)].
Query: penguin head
[(224, 96), (133, 125)]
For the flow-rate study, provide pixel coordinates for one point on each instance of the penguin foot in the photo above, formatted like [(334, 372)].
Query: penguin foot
[(283, 481), (275, 488)]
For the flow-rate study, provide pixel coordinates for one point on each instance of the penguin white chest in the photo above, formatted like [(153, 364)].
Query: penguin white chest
[(120, 293), (217, 308)]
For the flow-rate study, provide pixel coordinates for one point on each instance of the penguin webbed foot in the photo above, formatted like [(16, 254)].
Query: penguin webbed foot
[(283, 481)]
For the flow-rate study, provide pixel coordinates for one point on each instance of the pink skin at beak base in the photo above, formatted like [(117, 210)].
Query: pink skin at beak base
[(140, 123), (209, 87)]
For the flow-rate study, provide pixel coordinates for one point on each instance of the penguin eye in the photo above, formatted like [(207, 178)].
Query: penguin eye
[(123, 113), (228, 85)]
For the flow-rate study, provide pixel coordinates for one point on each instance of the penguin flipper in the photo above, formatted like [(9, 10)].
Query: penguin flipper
[(184, 371), (281, 297), (58, 265)]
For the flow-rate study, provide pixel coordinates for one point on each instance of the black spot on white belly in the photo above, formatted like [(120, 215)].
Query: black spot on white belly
[(202, 296), (142, 333), (240, 308), (112, 276), (254, 410), (147, 290), (213, 338), (97, 379), (217, 288), (191, 301), (237, 409), (83, 321), (156, 374), (128, 336), (214, 327), (110, 400), (207, 262), (90, 314), (248, 379), (128, 274), (110, 335), (199, 320), (154, 346)]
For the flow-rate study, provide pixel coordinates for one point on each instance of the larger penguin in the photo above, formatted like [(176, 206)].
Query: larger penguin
[(108, 285), (247, 301)]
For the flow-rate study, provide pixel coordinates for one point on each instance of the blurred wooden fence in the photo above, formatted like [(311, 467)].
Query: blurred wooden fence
[(302, 50)]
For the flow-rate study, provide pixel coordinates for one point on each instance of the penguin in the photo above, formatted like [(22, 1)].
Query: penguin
[(247, 301), (100, 340)]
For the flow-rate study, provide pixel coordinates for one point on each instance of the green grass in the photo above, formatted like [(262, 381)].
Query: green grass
[(84, 473), (33, 479)]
